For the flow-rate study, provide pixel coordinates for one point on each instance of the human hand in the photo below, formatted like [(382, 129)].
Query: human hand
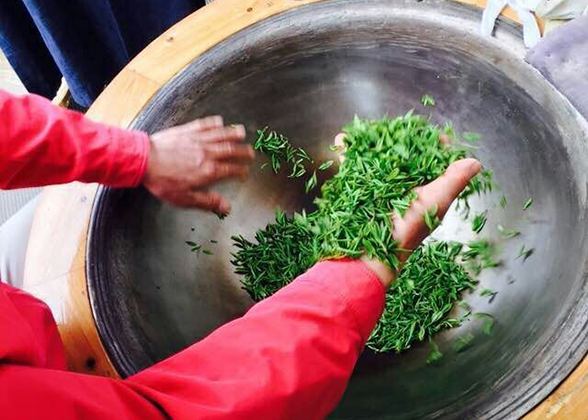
[(411, 229), (187, 159)]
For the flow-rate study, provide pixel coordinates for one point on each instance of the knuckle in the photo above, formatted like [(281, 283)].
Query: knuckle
[(213, 200), (229, 148), (199, 154), (210, 170)]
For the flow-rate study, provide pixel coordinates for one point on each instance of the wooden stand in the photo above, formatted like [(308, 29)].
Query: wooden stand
[(55, 269)]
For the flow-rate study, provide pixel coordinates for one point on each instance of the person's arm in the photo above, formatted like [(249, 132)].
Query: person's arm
[(289, 357), (41, 144)]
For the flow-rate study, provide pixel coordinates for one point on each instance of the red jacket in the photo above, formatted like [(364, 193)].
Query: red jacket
[(289, 357)]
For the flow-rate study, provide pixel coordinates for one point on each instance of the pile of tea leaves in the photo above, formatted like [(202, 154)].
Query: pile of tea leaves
[(385, 160)]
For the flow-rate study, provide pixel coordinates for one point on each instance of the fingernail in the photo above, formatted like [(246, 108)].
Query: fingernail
[(224, 206), (240, 130), (475, 166), (218, 120)]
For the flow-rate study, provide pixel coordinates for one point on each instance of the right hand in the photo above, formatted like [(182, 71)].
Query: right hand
[(185, 161), (410, 230)]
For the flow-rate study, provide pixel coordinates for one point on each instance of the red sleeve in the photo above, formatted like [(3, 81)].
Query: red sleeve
[(42, 144), (289, 357)]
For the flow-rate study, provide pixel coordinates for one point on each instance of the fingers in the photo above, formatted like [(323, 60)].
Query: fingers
[(444, 139), (208, 200), (448, 186), (340, 146), (223, 134), (202, 124), (230, 151), (410, 230), (205, 200), (218, 171)]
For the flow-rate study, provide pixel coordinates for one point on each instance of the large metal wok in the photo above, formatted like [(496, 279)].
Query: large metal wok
[(306, 73)]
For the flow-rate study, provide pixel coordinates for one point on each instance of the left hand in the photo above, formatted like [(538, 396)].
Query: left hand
[(185, 161)]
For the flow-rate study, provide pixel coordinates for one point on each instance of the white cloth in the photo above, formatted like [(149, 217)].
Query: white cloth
[(14, 239), (561, 9), (549, 10), (523, 9)]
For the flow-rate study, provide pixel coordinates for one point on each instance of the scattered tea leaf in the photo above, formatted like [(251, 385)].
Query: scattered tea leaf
[(427, 100), (311, 183), (508, 233), (326, 165), (525, 253), (464, 342), (479, 222), (503, 202), (488, 322), (480, 255), (471, 137), (528, 203), (280, 151), (435, 354)]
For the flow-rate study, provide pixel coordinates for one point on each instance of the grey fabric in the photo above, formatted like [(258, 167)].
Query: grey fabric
[(562, 58), (14, 239)]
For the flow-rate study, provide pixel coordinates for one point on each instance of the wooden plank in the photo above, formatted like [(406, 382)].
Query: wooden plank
[(55, 272), (124, 98), (569, 401), (200, 31)]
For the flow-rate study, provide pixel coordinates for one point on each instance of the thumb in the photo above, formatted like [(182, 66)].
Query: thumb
[(448, 186), (410, 230)]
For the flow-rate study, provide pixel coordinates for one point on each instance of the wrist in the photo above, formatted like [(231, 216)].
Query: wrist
[(146, 145), (384, 273)]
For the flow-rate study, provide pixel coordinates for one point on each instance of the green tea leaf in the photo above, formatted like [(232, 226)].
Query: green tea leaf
[(427, 100), (508, 233), (471, 137), (479, 222), (488, 322), (431, 219), (503, 202), (311, 183), (385, 160), (524, 253), (326, 165), (464, 342), (435, 354)]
